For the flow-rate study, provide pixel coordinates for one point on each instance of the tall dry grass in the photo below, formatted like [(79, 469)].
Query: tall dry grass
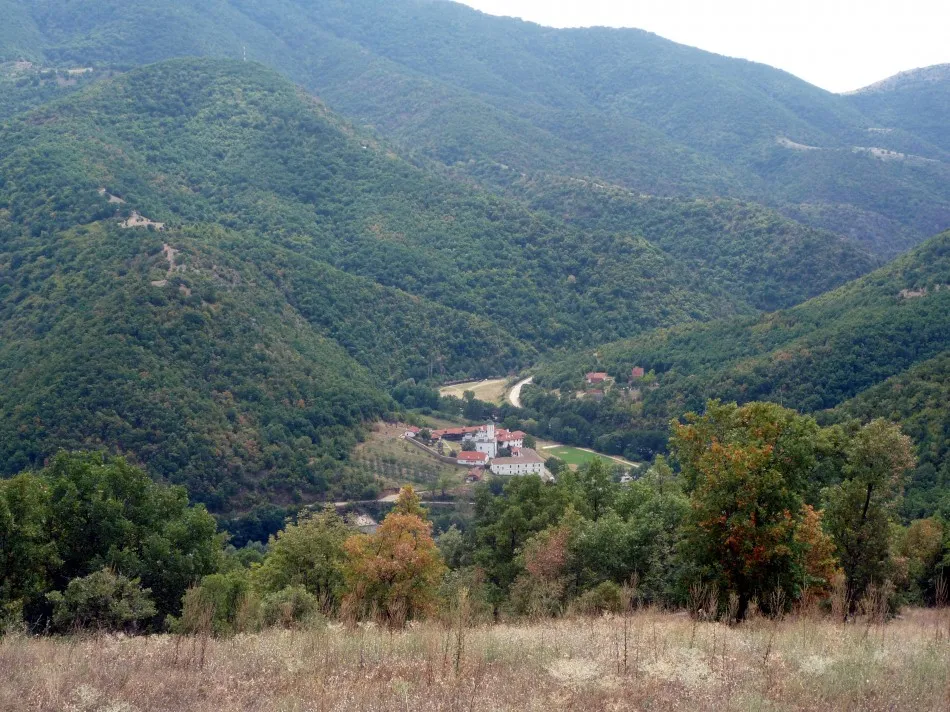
[(643, 661)]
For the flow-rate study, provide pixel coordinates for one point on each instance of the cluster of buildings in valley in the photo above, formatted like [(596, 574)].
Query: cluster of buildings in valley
[(597, 383), (482, 447)]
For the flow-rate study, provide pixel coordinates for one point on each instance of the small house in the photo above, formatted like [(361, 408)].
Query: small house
[(473, 458), (595, 378)]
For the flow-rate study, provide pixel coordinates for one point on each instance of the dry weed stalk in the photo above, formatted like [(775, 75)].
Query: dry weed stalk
[(640, 658)]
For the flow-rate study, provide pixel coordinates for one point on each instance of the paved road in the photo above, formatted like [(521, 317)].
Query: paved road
[(387, 500), (514, 396)]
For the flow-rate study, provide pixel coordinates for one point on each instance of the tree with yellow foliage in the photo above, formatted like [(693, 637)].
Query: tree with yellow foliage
[(394, 574)]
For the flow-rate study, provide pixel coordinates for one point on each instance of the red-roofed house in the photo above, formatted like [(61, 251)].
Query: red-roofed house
[(637, 373), (593, 378), (473, 458)]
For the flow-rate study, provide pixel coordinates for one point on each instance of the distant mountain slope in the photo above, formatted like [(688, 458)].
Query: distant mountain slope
[(917, 101), (304, 269), (877, 347), (624, 105), (770, 261), (208, 141), (811, 357)]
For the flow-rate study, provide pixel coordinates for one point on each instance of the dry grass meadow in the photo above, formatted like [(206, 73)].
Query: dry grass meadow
[(491, 391), (645, 661)]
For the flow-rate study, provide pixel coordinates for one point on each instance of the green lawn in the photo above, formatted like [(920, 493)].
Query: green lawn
[(570, 455)]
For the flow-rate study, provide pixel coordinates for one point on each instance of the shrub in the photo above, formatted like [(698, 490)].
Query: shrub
[(290, 607), (102, 600), (222, 605), (606, 597)]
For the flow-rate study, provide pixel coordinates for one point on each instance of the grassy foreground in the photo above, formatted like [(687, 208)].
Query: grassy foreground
[(647, 661)]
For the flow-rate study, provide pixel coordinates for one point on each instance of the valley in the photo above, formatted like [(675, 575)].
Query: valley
[(374, 354)]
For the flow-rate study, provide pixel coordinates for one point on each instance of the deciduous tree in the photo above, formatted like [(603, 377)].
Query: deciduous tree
[(859, 511), (395, 573), (745, 470)]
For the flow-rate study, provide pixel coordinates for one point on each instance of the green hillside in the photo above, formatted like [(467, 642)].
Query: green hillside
[(212, 380), (305, 270), (747, 250), (832, 355), (917, 101), (811, 357), (626, 106), (231, 143)]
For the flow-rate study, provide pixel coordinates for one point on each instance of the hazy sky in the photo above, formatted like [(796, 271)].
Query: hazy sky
[(837, 44)]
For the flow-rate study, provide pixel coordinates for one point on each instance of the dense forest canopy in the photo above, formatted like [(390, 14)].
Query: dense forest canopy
[(626, 106), (834, 353), (468, 196)]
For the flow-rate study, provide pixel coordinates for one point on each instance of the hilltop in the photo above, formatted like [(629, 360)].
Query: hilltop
[(917, 101)]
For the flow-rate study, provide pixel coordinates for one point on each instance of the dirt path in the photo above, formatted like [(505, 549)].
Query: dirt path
[(514, 396), (170, 253)]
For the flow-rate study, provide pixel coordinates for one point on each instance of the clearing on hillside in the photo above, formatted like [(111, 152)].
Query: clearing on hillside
[(492, 391), (388, 456)]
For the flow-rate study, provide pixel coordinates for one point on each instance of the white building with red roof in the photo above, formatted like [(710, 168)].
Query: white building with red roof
[(523, 461), (473, 458), (488, 438)]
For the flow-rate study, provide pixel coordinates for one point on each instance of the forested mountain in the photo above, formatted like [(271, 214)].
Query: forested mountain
[(622, 105), (831, 355), (207, 268), (206, 141), (304, 269), (917, 101)]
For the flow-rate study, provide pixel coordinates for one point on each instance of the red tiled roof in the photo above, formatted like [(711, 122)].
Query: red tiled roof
[(596, 376), (472, 457)]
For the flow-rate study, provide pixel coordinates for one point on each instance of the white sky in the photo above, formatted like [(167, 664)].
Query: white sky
[(837, 44)]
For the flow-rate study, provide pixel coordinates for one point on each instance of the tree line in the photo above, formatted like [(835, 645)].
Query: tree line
[(759, 508)]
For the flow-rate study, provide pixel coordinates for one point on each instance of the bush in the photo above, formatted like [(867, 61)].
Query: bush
[(102, 600), (290, 607), (606, 597), (222, 605)]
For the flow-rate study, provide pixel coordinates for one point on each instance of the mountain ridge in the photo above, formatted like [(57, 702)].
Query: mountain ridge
[(457, 85)]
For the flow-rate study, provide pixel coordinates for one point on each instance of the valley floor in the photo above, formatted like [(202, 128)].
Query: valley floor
[(648, 661)]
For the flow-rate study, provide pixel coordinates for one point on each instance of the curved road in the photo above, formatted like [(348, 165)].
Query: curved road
[(514, 395)]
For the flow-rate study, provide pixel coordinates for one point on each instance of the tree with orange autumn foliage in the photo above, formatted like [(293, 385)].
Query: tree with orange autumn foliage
[(394, 574), (819, 561), (541, 588), (745, 470)]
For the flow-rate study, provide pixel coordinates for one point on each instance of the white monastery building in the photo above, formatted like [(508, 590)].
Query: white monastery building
[(523, 461)]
